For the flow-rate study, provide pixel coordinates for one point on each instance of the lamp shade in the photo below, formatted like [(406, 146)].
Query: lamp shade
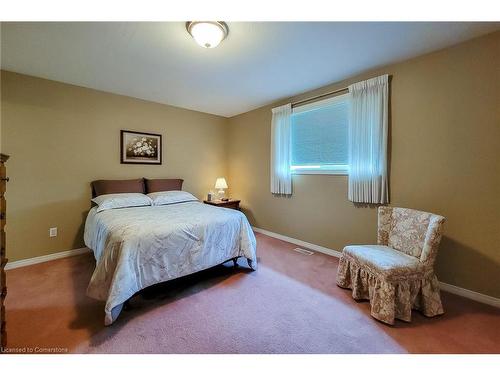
[(221, 183)]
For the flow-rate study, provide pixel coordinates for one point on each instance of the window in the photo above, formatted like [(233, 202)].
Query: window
[(319, 137)]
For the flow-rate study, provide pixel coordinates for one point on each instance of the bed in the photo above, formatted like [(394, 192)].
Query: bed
[(136, 247)]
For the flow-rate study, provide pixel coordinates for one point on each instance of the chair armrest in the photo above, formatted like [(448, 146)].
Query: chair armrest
[(384, 224), (432, 240)]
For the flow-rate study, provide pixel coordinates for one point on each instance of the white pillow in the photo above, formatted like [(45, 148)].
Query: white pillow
[(170, 197), (109, 201)]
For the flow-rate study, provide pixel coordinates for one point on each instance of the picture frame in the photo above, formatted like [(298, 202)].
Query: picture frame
[(140, 148)]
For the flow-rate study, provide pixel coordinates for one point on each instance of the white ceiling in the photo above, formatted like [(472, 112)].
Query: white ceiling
[(258, 63)]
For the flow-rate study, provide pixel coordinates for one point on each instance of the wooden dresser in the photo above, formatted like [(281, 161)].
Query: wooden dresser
[(3, 259)]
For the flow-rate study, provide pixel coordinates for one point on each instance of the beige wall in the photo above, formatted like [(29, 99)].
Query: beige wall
[(61, 137), (445, 145)]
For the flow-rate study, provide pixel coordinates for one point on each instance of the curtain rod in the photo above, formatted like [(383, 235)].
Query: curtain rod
[(297, 103)]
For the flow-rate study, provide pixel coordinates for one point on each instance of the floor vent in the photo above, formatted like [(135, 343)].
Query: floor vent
[(303, 251)]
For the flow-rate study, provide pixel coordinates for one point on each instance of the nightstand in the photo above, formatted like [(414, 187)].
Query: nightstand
[(231, 203)]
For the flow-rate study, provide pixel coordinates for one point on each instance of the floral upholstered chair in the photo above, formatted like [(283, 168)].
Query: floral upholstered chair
[(397, 275)]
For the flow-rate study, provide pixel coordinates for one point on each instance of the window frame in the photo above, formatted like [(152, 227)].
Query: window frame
[(337, 169)]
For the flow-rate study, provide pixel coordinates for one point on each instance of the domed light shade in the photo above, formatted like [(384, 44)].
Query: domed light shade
[(207, 34)]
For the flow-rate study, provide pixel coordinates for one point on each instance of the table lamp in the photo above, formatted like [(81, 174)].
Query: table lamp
[(221, 184)]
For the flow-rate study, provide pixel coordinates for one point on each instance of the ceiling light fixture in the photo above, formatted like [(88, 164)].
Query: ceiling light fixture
[(207, 34)]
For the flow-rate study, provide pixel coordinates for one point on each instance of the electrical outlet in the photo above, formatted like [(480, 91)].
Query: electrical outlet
[(53, 232)]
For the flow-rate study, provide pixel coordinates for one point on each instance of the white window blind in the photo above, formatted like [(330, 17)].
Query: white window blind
[(319, 135)]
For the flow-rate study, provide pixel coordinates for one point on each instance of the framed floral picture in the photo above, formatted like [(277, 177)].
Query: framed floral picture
[(140, 148)]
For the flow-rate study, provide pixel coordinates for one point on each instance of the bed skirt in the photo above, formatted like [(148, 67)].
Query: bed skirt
[(390, 299)]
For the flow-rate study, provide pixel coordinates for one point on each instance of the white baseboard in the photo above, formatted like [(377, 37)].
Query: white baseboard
[(45, 258), (470, 294), (475, 296), (295, 241)]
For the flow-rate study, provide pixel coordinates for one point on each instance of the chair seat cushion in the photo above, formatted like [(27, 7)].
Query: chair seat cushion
[(385, 261)]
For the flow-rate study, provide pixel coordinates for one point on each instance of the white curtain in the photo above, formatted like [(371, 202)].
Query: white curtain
[(281, 177), (368, 127)]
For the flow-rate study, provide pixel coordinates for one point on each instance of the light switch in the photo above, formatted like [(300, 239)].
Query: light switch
[(53, 232)]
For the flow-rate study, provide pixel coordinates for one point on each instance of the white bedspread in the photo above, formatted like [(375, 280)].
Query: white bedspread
[(140, 246)]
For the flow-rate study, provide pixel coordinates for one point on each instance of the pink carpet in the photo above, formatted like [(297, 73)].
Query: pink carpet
[(290, 305)]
